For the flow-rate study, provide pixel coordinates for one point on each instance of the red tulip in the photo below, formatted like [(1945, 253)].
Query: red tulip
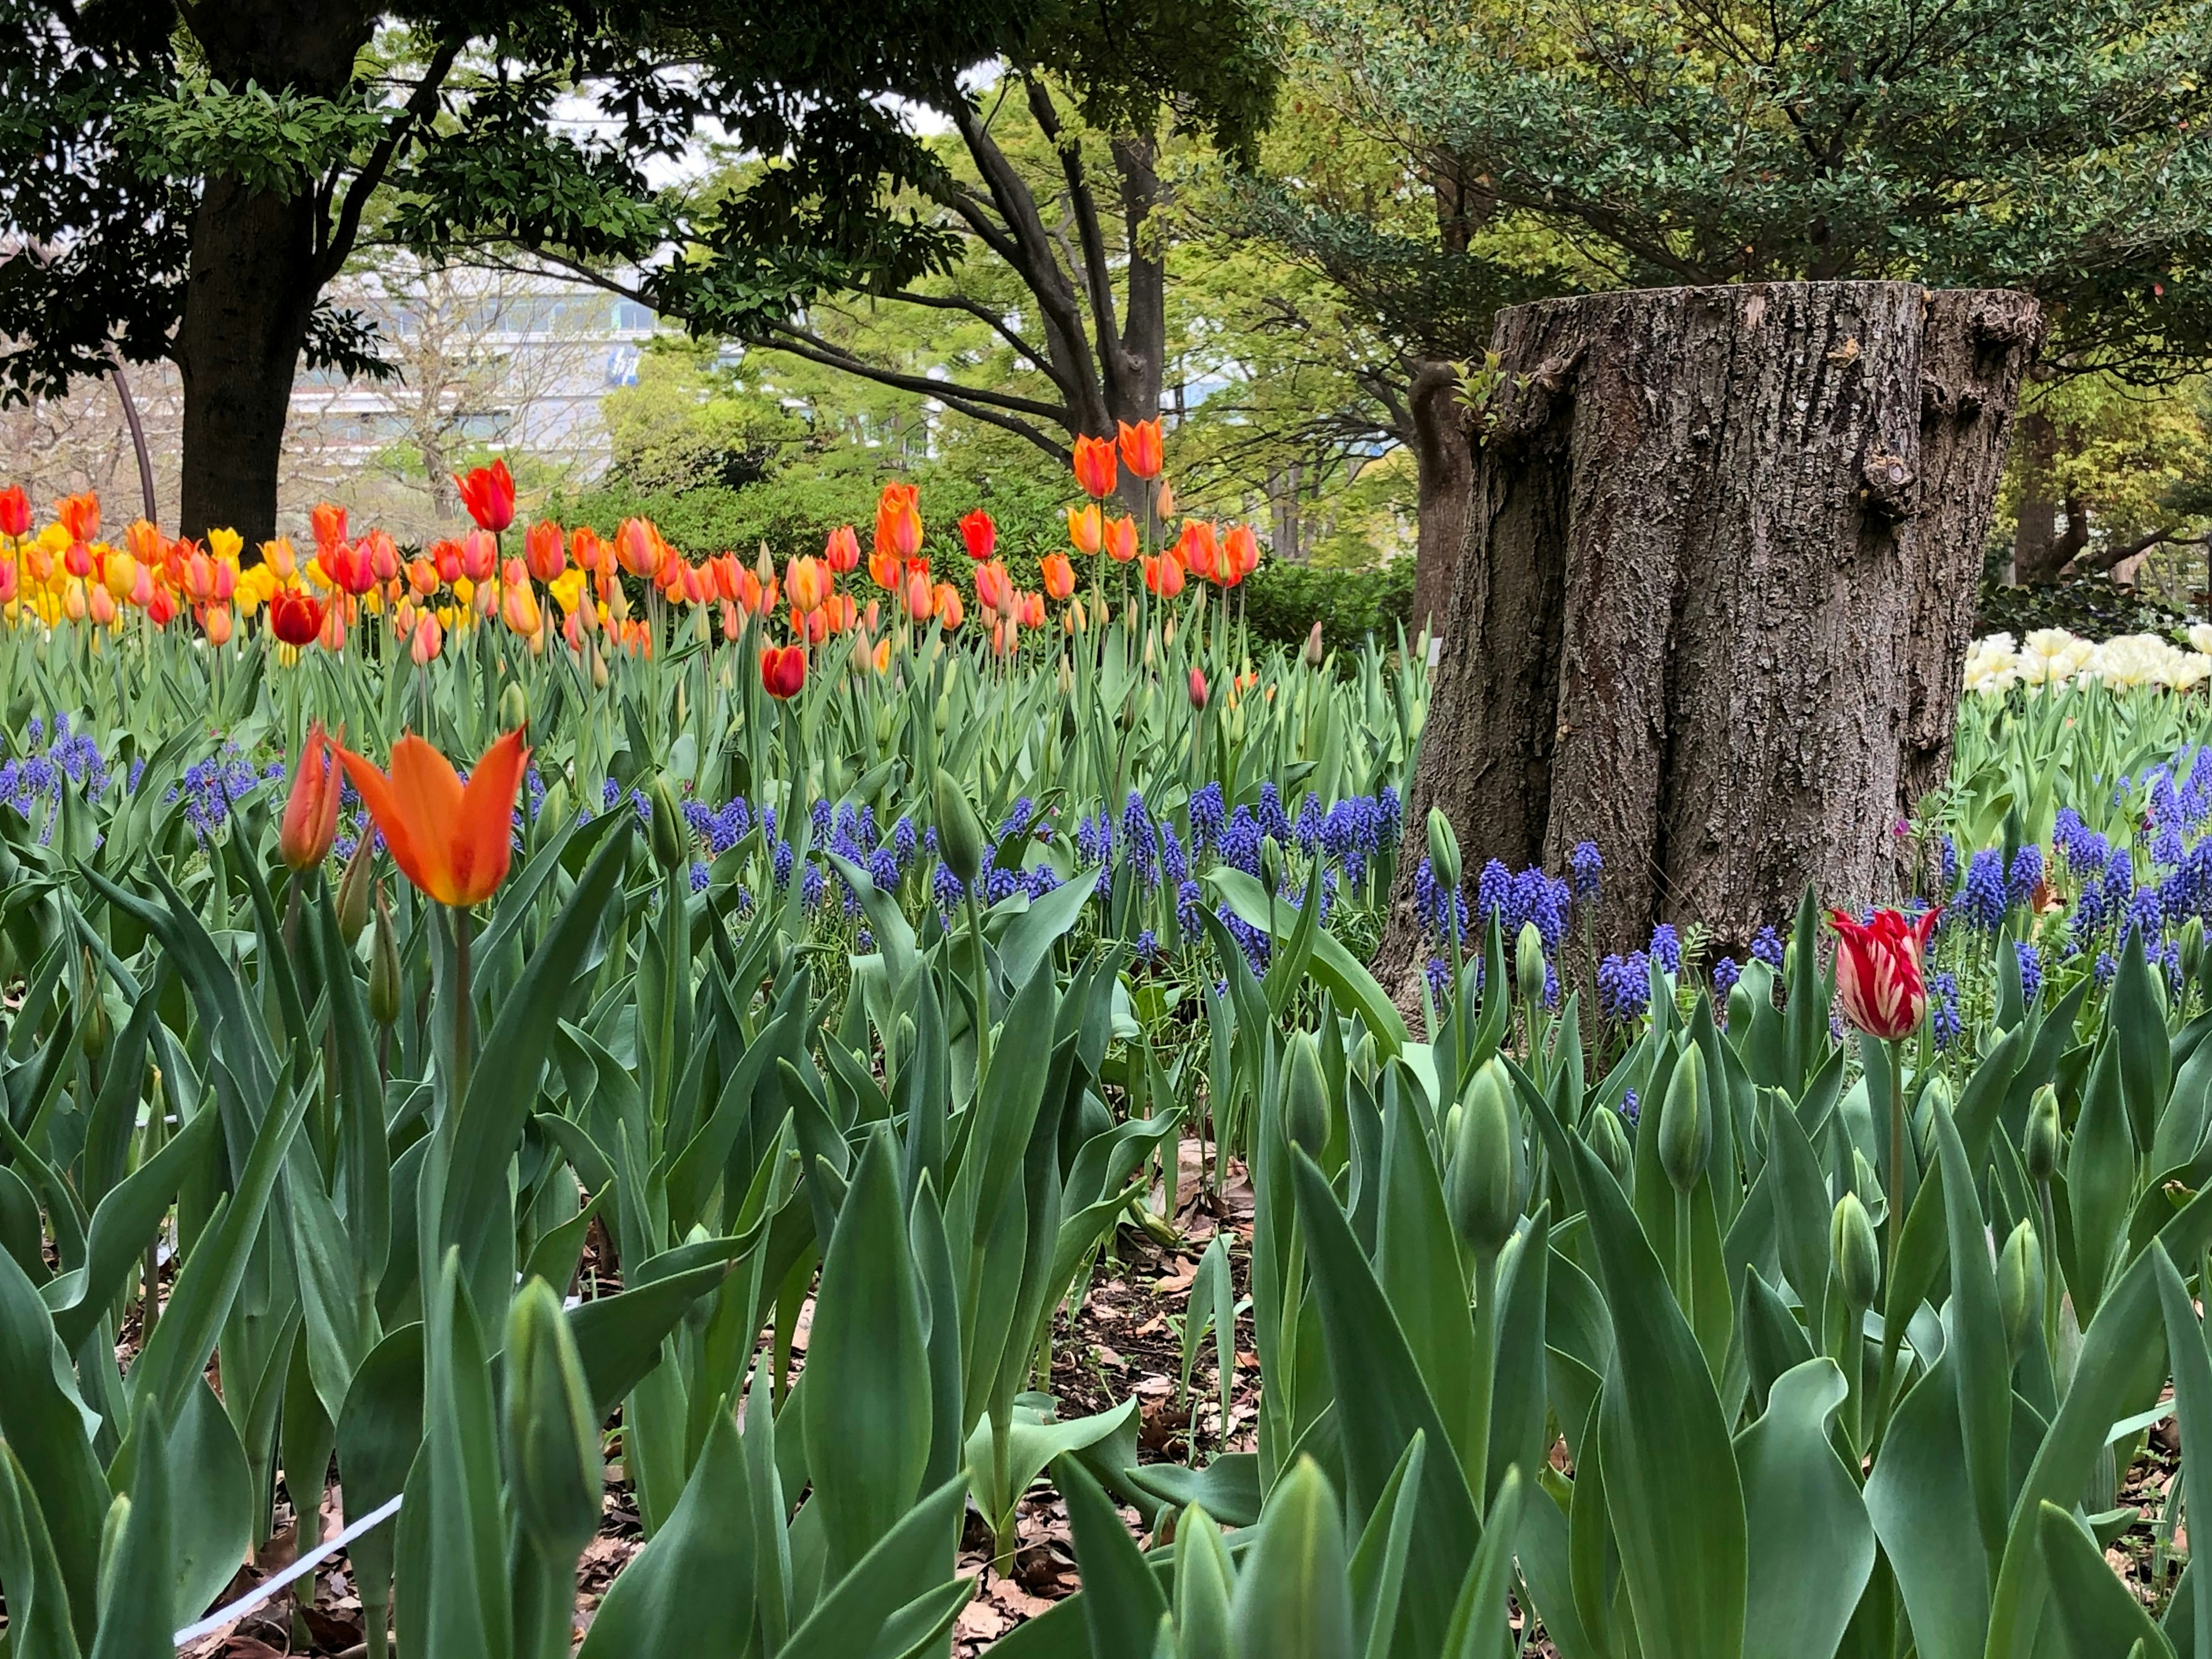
[(452, 842), (1140, 447), (311, 815), (1197, 688), (1095, 466), (981, 534), (1879, 971), (294, 617), (15, 511), (489, 495), (783, 672)]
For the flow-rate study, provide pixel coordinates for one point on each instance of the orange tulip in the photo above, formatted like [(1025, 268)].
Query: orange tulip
[(990, 584), (950, 611), (1059, 575), (1163, 503), (807, 582), (921, 602), (1085, 528), (311, 814), (79, 516), (1140, 447), (1195, 547), (637, 549), (479, 556), (454, 841), (144, 542), (1120, 539), (585, 548), (1163, 575), (841, 552), (885, 568), (544, 549), (1028, 609), (329, 521), (1095, 467), (429, 641), (898, 521), (1240, 555), (383, 555), (883, 656), (217, 623)]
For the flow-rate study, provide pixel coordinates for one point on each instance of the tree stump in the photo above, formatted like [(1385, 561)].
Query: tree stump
[(1716, 593)]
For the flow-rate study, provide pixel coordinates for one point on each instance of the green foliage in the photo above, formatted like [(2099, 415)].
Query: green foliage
[(1282, 602), (2093, 606)]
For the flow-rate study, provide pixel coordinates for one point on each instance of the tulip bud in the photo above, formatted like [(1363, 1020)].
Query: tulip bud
[(1685, 1123), (1271, 863), (667, 838), (2020, 1283), (1936, 1097), (383, 966), (1528, 963), (554, 810), (352, 891), (555, 1465), (513, 707), (95, 1028), (1444, 851), (1198, 688), (2040, 1151), (598, 671), (1305, 1095), (1851, 1245), (2192, 947), (959, 835), (1482, 1186), (1864, 1182), (1313, 655), (1610, 1142)]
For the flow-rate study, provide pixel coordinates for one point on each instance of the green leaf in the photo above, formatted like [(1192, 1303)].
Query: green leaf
[(1293, 1596), (914, 1557), (868, 1418), (1671, 1483), (1333, 965), (2192, 1399), (2137, 1016), (39, 1625), (690, 1590), (2097, 1613), (1812, 1548), (1378, 1564), (1122, 1602), (135, 1620), (1982, 1363)]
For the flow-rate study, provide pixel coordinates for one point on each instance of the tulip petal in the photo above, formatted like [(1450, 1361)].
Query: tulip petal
[(402, 836), (483, 844)]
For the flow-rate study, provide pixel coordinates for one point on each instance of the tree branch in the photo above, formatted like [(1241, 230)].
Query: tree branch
[(1098, 274), (421, 106)]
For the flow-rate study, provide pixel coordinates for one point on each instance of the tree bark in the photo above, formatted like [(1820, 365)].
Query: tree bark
[(1716, 593), (1443, 486), (245, 320)]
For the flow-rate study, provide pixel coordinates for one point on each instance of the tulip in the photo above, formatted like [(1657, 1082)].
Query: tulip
[(1085, 529), (636, 549), (383, 556), (311, 814), (217, 625), (950, 611), (1163, 575), (990, 584), (1140, 447), (79, 516), (77, 561), (518, 608), (980, 532), (479, 556), (1095, 467), (841, 552), (100, 605), (585, 548), (15, 513), (487, 492), (1164, 502), (783, 672), (1120, 539), (898, 521), (329, 521), (886, 569), (454, 841), (1028, 609), (807, 582), (1197, 689), (1195, 548), (294, 617), (1878, 970), (1059, 575), (160, 608), (333, 636), (1240, 555), (883, 656), (544, 551), (429, 639)]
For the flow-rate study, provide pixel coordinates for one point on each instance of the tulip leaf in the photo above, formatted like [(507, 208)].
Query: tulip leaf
[(913, 1558), (39, 1615), (1812, 1548), (1671, 1481), (43, 1421), (1333, 963), (691, 1590), (1293, 1596), (1983, 1365), (1122, 1601), (2097, 1613)]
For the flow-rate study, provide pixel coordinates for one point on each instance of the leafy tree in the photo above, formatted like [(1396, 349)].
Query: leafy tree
[(183, 178)]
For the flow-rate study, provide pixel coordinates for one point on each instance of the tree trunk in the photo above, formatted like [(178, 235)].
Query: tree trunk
[(245, 322), (2035, 527), (1716, 594), (1443, 483)]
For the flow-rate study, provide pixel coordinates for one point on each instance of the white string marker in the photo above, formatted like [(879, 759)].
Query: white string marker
[(269, 1587)]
